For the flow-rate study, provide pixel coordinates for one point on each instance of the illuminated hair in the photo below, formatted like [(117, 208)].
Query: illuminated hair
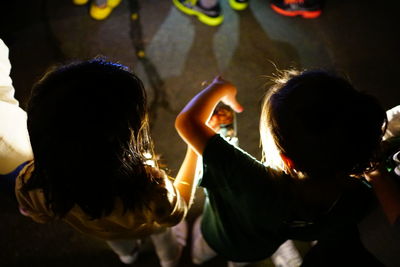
[(89, 131), (319, 121)]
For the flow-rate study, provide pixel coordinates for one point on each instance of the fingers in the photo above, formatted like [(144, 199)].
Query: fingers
[(233, 103), (229, 99), (236, 106)]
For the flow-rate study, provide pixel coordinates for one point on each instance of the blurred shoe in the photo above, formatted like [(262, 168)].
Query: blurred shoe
[(102, 12), (80, 2), (99, 13), (113, 3), (239, 4), (293, 8), (210, 16)]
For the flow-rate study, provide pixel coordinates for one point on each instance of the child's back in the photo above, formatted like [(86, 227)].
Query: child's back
[(90, 137), (320, 130)]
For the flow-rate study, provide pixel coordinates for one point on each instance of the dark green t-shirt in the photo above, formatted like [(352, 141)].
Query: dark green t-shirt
[(251, 210)]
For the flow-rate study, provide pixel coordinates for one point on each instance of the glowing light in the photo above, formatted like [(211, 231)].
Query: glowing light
[(271, 157), (149, 159)]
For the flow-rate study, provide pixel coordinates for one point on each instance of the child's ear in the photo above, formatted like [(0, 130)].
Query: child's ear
[(288, 161)]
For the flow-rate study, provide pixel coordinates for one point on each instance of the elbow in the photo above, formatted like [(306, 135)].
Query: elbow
[(179, 122), (193, 131), (183, 124)]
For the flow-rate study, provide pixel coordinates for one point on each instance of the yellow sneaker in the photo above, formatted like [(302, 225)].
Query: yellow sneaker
[(212, 16), (239, 4), (80, 2), (113, 3), (99, 13)]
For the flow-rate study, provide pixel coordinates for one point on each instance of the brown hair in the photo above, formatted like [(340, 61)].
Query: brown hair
[(319, 121)]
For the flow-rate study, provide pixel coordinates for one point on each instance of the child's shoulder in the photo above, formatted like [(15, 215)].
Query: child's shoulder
[(24, 175)]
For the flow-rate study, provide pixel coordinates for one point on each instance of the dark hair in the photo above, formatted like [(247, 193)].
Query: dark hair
[(88, 128), (319, 121)]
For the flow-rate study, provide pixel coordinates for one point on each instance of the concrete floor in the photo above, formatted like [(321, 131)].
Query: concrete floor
[(358, 39)]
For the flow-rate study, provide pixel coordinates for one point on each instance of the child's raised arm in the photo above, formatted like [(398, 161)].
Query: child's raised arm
[(185, 179), (191, 122)]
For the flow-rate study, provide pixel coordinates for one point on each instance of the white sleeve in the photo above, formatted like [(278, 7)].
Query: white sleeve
[(6, 88), (15, 147), (393, 128)]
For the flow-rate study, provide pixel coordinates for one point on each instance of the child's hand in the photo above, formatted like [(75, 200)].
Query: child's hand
[(230, 93), (23, 211), (191, 122)]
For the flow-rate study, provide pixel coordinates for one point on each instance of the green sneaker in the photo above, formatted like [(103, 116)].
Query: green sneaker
[(211, 17), (239, 4)]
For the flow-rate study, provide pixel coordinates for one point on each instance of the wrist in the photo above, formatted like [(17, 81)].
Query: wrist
[(222, 88)]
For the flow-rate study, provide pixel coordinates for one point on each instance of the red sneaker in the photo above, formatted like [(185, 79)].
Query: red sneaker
[(305, 8)]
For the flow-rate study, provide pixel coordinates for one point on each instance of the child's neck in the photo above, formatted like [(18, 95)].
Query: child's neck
[(320, 194)]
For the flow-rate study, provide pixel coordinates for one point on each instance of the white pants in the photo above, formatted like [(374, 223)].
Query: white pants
[(168, 244), (164, 244)]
